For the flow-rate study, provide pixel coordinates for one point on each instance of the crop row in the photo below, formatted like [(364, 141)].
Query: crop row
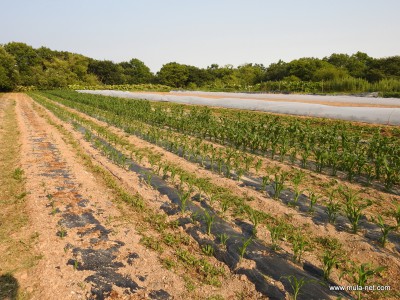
[(333, 147), (235, 163)]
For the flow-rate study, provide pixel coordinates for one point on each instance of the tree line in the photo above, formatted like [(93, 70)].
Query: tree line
[(24, 66)]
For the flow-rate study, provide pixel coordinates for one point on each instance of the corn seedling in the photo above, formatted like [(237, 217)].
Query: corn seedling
[(258, 165), (225, 204), (333, 146), (255, 218), (276, 234), (212, 198), (62, 232), (209, 219), (184, 198), (279, 184), (147, 176), (76, 264), (293, 155), (362, 274), (385, 229), (332, 209), (223, 238), (299, 247), (353, 212), (297, 284), (329, 261), (208, 250), (239, 173), (243, 247), (313, 200), (264, 183)]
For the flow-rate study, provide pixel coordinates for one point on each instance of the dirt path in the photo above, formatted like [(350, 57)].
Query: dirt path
[(86, 252)]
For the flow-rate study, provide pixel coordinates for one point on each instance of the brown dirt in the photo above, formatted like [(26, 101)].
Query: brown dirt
[(356, 247), (77, 217)]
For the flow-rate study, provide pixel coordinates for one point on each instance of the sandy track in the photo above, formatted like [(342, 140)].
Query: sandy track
[(84, 254)]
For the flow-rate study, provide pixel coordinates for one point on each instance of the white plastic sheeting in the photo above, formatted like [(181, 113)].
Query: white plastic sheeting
[(297, 97), (389, 116)]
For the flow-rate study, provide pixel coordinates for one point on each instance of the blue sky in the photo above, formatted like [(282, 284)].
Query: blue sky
[(203, 32)]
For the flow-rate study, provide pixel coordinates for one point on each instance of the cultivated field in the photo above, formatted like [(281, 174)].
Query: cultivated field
[(130, 199)]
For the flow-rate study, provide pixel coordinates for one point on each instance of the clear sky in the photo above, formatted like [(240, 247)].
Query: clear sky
[(202, 32)]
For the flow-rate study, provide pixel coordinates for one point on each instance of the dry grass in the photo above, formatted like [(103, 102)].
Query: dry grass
[(16, 246)]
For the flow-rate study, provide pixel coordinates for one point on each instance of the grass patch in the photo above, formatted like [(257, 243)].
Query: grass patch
[(16, 249)]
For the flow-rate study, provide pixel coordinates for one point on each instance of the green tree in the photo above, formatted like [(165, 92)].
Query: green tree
[(8, 71), (276, 71), (198, 77), (107, 71), (135, 72), (26, 60), (173, 74), (328, 71), (249, 74), (304, 68)]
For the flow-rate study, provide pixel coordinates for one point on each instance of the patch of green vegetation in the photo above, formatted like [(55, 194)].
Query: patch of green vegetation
[(16, 246)]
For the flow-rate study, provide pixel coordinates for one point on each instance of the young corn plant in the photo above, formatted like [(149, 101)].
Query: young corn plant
[(212, 198), (332, 209), (313, 200), (243, 247), (148, 176), (354, 206), (265, 181), (353, 212), (297, 284), (369, 172), (239, 173), (223, 238), (299, 247), (255, 218), (208, 250), (391, 173), (184, 198), (276, 234), (329, 260), (293, 156), (257, 166), (362, 274), (279, 184), (225, 204), (209, 219), (296, 180), (385, 229)]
